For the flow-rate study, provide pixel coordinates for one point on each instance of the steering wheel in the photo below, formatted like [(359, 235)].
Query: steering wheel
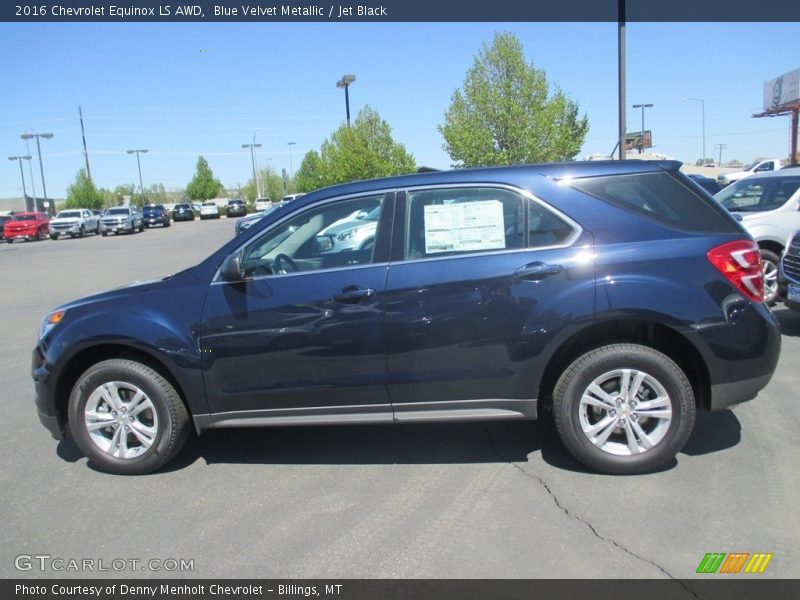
[(281, 262)]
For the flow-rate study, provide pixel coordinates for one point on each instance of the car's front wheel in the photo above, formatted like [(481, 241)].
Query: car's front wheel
[(624, 409), (126, 417)]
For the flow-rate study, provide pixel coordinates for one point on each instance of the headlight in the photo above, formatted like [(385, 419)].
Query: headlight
[(50, 321)]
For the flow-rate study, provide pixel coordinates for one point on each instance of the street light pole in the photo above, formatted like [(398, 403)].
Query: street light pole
[(641, 139), (139, 164), (252, 147), (22, 175), (30, 168), (703, 107), (291, 167), (47, 136), (345, 82)]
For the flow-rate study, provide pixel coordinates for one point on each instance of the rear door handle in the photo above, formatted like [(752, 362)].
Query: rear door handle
[(537, 271), (353, 295)]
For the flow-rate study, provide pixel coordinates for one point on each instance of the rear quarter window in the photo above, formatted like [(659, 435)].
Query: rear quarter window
[(661, 197)]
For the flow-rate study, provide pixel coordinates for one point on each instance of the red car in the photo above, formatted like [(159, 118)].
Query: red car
[(26, 226)]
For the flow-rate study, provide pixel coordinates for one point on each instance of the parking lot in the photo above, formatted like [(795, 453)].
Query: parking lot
[(435, 500)]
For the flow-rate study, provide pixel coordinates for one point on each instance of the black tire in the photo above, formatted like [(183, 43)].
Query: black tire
[(10, 240), (82, 232), (770, 261), (104, 233), (601, 365), (54, 236), (168, 413)]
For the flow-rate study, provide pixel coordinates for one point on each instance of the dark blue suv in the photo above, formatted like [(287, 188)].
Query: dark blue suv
[(619, 293)]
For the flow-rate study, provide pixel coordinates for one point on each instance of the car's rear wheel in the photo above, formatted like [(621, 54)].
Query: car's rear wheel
[(770, 262), (624, 409), (127, 418)]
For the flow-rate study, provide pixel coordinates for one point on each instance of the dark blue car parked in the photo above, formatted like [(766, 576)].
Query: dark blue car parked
[(616, 292)]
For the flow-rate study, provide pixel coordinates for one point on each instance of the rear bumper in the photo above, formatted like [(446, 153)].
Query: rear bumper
[(741, 356)]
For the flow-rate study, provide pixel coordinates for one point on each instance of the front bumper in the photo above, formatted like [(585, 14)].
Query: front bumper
[(65, 229), (117, 226), (43, 398)]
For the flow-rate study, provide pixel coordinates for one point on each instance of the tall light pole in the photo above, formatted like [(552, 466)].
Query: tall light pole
[(21, 174), (30, 167), (291, 167), (253, 159), (345, 82), (641, 140), (703, 107), (139, 164), (47, 136)]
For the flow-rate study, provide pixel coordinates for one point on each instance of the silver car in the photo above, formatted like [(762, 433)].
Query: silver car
[(121, 219), (356, 232)]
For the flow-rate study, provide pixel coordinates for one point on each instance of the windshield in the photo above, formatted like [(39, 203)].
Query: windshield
[(751, 165), (117, 211), (24, 218), (758, 194), (69, 214)]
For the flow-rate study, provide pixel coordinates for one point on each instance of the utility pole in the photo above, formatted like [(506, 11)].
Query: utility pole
[(721, 148), (85, 152)]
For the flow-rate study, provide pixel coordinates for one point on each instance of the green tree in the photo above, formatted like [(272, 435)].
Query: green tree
[(203, 186), (363, 151), (309, 175), (82, 193), (508, 114)]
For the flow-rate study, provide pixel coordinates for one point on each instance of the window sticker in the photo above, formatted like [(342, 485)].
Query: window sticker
[(464, 227)]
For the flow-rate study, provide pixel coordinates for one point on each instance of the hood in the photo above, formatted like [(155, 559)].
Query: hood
[(130, 289), (338, 228), (65, 220)]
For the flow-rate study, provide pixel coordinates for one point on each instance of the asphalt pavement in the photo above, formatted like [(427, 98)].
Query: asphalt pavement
[(495, 500)]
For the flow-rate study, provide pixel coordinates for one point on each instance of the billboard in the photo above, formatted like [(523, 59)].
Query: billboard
[(633, 140), (782, 90)]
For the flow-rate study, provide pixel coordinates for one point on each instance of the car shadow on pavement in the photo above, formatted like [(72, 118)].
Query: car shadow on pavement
[(790, 321), (424, 443), (713, 432)]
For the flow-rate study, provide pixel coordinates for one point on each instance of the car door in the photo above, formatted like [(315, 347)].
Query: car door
[(301, 338), (482, 278)]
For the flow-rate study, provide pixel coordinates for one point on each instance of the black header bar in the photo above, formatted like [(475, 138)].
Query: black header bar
[(386, 11)]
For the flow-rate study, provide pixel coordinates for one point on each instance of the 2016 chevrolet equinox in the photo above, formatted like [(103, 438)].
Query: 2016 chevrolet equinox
[(617, 291)]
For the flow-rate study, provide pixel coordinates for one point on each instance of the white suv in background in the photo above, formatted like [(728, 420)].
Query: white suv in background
[(262, 204), (768, 205)]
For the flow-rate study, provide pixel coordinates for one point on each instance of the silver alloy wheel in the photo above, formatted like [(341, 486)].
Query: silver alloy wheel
[(770, 281), (625, 412), (121, 419)]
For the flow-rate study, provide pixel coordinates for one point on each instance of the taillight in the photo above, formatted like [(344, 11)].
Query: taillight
[(740, 263)]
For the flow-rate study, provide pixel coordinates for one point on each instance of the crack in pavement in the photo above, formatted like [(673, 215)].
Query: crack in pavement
[(581, 520)]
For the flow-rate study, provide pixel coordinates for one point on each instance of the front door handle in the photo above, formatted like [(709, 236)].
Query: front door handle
[(537, 271), (353, 295)]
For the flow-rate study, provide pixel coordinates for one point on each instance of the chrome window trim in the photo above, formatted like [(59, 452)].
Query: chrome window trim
[(577, 230)]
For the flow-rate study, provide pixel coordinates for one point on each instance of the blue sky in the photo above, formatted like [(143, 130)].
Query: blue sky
[(181, 90)]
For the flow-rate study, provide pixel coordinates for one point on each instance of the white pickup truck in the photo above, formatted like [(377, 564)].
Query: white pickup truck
[(758, 166), (75, 222)]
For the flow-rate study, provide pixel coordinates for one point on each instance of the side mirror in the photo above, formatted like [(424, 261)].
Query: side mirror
[(232, 270)]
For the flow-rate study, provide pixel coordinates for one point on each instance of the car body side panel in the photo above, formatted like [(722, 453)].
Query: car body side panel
[(468, 328)]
